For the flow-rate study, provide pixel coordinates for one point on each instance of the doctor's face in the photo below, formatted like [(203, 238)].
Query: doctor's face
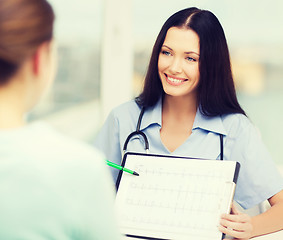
[(178, 63)]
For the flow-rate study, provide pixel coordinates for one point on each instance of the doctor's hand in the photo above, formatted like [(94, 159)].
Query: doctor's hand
[(237, 224)]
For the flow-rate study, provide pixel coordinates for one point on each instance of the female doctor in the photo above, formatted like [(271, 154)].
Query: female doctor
[(188, 107)]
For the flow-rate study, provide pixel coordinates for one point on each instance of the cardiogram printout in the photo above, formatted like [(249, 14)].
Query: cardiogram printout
[(174, 197)]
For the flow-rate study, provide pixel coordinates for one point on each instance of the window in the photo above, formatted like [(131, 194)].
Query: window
[(72, 103)]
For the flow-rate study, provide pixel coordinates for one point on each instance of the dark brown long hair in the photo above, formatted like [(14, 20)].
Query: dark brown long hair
[(216, 91), (24, 25)]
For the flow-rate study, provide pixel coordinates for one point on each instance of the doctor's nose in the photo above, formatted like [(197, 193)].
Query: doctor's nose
[(176, 66)]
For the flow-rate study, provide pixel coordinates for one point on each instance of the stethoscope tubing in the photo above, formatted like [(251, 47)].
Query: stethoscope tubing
[(137, 132)]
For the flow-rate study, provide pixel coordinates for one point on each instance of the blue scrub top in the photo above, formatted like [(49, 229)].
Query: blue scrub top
[(258, 179)]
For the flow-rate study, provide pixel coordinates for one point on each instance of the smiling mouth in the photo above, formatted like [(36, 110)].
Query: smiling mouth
[(175, 81)]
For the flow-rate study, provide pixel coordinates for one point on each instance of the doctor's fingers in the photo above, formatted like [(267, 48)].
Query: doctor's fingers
[(239, 217), (237, 226), (241, 235)]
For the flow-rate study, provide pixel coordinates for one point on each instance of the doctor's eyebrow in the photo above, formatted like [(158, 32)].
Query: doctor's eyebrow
[(190, 52)]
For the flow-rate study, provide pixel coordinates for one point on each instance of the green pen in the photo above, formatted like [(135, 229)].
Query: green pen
[(114, 165)]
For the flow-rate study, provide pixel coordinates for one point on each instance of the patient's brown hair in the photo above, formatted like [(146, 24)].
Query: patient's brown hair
[(24, 25)]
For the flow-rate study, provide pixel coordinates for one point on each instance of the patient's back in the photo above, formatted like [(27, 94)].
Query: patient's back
[(53, 187)]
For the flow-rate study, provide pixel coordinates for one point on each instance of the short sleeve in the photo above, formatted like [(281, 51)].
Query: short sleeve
[(259, 179), (107, 141)]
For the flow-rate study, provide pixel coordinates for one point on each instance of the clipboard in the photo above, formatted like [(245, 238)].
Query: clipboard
[(174, 198)]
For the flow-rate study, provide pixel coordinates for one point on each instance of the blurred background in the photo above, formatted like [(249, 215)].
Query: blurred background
[(104, 48)]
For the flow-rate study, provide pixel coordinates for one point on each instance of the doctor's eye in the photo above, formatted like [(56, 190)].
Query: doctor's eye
[(191, 59), (164, 52)]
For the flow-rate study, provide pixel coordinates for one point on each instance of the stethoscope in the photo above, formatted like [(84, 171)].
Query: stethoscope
[(146, 144)]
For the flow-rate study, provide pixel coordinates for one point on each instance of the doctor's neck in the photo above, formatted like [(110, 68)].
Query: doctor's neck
[(180, 105)]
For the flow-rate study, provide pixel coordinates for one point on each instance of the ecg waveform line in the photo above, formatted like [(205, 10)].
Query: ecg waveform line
[(180, 198), (189, 199)]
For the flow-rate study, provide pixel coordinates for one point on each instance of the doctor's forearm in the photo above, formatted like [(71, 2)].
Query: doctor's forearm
[(269, 221)]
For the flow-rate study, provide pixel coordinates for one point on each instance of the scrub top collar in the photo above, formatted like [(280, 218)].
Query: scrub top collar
[(153, 115), (210, 124)]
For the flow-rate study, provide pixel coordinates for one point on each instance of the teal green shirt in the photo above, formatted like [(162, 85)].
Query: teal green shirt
[(53, 187)]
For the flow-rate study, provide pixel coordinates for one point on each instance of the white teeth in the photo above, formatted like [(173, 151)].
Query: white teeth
[(174, 80)]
